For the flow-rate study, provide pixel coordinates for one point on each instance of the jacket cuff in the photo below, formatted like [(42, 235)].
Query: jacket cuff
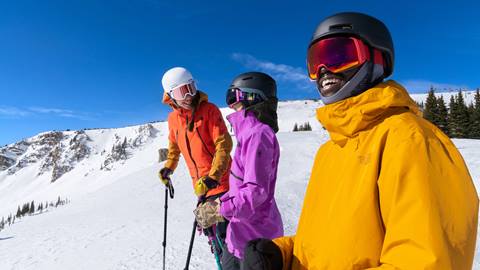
[(226, 206)]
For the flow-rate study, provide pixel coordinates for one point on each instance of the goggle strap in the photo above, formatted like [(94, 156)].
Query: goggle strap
[(378, 57), (253, 90)]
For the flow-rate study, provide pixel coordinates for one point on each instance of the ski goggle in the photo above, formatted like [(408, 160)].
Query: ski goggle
[(236, 95), (336, 54), (181, 92)]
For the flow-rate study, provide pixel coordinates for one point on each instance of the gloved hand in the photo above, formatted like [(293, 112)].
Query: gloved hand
[(164, 175), (204, 184), (208, 214), (262, 254)]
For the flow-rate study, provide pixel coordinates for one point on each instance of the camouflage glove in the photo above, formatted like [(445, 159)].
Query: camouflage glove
[(262, 254), (164, 175), (208, 214), (204, 184)]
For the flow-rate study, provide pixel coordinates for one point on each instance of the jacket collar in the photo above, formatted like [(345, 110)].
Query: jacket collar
[(346, 118), (241, 121)]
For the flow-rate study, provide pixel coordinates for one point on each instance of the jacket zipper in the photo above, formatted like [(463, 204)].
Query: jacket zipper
[(204, 144)]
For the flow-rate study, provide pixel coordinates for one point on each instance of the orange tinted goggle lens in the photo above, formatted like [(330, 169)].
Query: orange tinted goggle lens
[(335, 54), (180, 93)]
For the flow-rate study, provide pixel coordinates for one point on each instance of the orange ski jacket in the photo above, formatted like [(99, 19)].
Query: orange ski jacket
[(205, 148)]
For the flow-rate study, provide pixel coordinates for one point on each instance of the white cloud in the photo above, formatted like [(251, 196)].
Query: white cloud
[(50, 110), (422, 86), (61, 113), (281, 72), (12, 112), (15, 112)]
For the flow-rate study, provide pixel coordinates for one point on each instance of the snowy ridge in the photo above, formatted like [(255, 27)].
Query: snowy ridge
[(115, 216)]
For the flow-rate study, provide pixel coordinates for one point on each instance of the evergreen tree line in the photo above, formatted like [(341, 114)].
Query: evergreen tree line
[(458, 120), (30, 209), (303, 127)]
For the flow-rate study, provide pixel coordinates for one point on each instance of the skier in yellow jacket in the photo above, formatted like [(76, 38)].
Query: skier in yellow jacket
[(389, 190)]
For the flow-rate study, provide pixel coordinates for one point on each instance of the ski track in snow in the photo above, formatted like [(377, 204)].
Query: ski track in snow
[(115, 218)]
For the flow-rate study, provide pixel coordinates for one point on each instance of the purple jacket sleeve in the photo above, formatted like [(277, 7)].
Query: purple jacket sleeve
[(258, 158)]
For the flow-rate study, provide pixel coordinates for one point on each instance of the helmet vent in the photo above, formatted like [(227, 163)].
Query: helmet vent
[(247, 78), (341, 27)]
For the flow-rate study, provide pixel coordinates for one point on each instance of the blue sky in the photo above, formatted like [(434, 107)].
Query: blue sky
[(94, 63)]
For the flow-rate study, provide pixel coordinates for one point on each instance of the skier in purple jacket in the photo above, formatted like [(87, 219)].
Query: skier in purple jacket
[(249, 205)]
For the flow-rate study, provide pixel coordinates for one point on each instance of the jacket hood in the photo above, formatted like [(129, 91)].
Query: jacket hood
[(266, 112), (344, 119)]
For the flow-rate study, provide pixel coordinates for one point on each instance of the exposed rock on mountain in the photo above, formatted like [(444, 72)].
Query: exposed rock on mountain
[(121, 148), (118, 152), (65, 154)]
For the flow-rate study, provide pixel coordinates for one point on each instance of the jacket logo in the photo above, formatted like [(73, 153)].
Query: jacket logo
[(364, 159)]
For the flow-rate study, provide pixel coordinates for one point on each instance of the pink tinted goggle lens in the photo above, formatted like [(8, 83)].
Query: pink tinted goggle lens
[(336, 54), (180, 93)]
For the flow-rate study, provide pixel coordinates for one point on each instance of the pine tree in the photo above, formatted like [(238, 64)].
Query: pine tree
[(40, 208), (442, 121), (452, 118), (32, 208), (295, 127), (431, 109), (19, 212), (463, 116), (475, 117), (420, 105), (307, 126), (25, 209)]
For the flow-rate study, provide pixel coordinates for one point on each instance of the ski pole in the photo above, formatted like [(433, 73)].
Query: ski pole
[(215, 246), (168, 189), (192, 238)]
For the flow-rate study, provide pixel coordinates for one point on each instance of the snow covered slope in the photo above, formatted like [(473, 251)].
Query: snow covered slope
[(115, 216)]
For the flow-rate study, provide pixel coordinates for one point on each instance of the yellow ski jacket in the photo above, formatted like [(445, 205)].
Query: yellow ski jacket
[(388, 191)]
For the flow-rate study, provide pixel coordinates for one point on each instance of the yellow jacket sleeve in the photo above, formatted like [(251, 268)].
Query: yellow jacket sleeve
[(173, 156), (429, 206), (173, 149), (223, 145), (286, 246)]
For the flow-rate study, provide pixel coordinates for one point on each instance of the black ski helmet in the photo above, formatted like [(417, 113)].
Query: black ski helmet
[(367, 28), (256, 80), (264, 88)]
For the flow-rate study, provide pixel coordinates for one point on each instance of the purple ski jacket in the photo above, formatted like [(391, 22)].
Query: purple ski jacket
[(249, 205)]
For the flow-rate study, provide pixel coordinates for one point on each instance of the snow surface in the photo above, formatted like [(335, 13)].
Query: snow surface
[(115, 217)]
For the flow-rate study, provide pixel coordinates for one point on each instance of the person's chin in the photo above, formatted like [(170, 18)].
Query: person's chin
[(186, 107)]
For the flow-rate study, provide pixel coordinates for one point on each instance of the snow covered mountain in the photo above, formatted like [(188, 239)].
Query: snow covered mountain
[(114, 219)]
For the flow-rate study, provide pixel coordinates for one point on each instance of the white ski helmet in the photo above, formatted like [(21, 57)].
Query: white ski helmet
[(176, 77)]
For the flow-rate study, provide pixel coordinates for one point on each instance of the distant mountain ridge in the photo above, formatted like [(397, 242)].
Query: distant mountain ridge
[(58, 152)]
